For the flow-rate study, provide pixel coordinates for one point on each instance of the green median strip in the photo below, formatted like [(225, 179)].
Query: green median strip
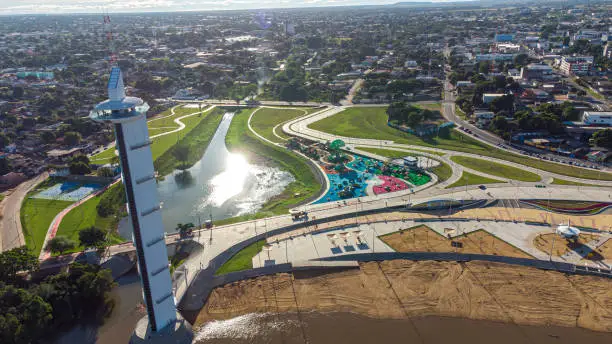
[(567, 182), (496, 169), (468, 178), (243, 260)]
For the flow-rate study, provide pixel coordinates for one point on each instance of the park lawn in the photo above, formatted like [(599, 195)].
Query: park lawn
[(496, 169), (306, 185), (85, 216), (162, 143), (371, 123), (468, 178), (243, 260), (443, 171), (265, 119), (196, 140), (36, 217)]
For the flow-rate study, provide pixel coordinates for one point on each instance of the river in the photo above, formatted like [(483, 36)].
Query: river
[(335, 328), (220, 185)]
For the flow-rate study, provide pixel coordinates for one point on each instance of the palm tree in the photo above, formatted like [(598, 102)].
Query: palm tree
[(185, 229)]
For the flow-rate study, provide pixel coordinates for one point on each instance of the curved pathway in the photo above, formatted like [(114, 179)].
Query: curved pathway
[(181, 125), (299, 127)]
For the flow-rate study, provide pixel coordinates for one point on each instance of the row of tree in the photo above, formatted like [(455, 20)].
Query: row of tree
[(34, 311)]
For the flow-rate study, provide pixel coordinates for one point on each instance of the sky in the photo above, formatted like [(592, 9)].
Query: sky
[(116, 6)]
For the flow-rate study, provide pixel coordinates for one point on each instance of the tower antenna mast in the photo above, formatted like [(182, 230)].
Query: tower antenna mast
[(108, 31)]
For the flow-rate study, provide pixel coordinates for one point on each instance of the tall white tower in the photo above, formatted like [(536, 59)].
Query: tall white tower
[(128, 115)]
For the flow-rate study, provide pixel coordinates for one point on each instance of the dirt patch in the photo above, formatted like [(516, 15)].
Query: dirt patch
[(561, 246), (424, 239), (402, 289)]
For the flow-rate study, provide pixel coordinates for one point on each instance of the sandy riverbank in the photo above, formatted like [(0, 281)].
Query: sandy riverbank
[(403, 289)]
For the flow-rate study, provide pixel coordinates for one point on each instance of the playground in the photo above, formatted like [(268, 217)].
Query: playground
[(362, 176)]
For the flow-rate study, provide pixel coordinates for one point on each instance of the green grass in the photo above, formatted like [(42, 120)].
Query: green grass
[(196, 139), (460, 112), (36, 217), (265, 119), (243, 260), (594, 94), (567, 182), (160, 144), (468, 178), (371, 123), (443, 171), (2, 197), (85, 216), (496, 169)]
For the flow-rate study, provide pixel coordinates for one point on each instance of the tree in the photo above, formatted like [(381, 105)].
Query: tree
[(92, 237), (79, 168), (16, 260), (4, 141), (521, 59), (24, 316), (5, 166), (499, 124), (47, 136), (181, 153), (603, 138), (500, 82), (60, 244), (105, 172), (505, 102), (72, 138), (185, 229), (18, 92)]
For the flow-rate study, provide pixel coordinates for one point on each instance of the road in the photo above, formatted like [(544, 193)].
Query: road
[(11, 232)]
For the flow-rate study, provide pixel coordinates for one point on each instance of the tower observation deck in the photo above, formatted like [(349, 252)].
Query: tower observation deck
[(128, 115)]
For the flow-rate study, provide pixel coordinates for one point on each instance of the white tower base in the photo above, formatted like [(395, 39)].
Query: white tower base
[(178, 333)]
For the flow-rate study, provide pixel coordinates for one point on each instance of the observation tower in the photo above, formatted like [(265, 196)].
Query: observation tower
[(128, 115)]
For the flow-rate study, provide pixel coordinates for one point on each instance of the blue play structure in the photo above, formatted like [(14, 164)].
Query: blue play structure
[(68, 191), (353, 183)]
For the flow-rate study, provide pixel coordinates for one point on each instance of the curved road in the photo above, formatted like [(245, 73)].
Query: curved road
[(300, 127)]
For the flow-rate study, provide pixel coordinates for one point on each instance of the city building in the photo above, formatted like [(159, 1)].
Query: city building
[(495, 57), (128, 116), (483, 118), (504, 37), (488, 97), (599, 118), (576, 65), (589, 35), (537, 72)]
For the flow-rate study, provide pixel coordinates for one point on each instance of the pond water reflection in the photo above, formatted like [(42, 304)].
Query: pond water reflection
[(220, 185)]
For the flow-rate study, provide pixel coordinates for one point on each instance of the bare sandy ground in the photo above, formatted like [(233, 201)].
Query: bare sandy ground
[(403, 289), (424, 239)]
